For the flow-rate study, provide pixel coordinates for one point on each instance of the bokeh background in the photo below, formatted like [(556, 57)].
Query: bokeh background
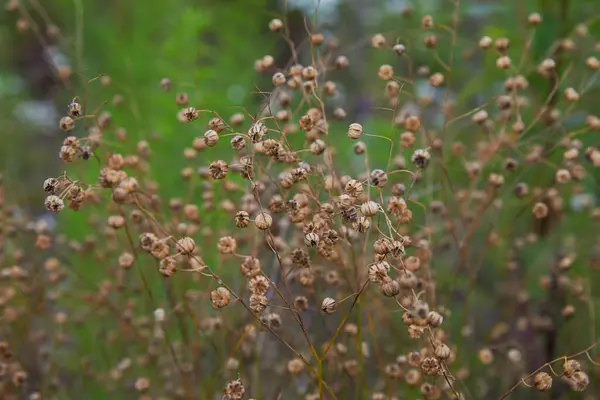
[(208, 49)]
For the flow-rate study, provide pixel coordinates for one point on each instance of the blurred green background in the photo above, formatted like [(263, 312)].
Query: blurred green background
[(207, 49)]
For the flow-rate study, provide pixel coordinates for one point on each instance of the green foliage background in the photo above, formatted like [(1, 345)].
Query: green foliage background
[(207, 47)]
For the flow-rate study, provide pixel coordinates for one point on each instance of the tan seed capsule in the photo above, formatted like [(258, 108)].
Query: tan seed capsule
[(399, 49), (355, 131), (263, 221), (579, 381), (427, 22), (318, 147), (486, 356), (442, 351), (211, 138), (360, 148), (502, 44), (390, 287), (74, 109), (412, 263), (186, 245), (540, 210), (354, 188), (570, 367), (311, 239), (496, 180), (412, 123), (563, 176), (362, 224), (295, 366), (369, 208), (309, 73), (67, 124), (503, 62), (430, 41), (571, 95), (485, 42), (436, 80), (328, 306), (317, 39), (378, 41), (542, 381), (386, 72), (593, 63), (275, 25), (220, 297), (190, 114), (341, 62), (480, 116), (534, 19), (278, 79)]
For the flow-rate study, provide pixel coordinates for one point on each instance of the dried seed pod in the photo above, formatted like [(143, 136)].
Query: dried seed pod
[(311, 239), (263, 221), (540, 210), (442, 351), (211, 138), (54, 203), (570, 367), (328, 306), (579, 381), (257, 132), (318, 147), (354, 188), (503, 62), (542, 381), (51, 185), (295, 366), (190, 114), (341, 62), (360, 148), (278, 79), (167, 267), (390, 287), (378, 178), (430, 366), (412, 123), (242, 219), (235, 390), (258, 302), (67, 124), (421, 158), (378, 272), (227, 245), (399, 49), (220, 297), (355, 131), (369, 208), (362, 224), (378, 41), (485, 42), (436, 80), (534, 19), (275, 25), (74, 110), (218, 169), (386, 72)]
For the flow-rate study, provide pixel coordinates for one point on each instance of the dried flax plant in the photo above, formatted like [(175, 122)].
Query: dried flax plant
[(328, 267)]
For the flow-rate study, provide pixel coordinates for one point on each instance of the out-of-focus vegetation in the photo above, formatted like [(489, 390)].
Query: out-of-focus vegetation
[(515, 291)]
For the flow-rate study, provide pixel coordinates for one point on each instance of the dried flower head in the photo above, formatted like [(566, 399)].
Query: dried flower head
[(54, 203), (355, 131), (220, 297), (328, 306), (542, 381)]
